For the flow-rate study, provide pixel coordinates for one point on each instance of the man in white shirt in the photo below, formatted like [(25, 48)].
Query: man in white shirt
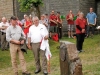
[(37, 32), (3, 26)]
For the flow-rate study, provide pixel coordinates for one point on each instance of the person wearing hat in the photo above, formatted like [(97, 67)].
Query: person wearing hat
[(13, 35)]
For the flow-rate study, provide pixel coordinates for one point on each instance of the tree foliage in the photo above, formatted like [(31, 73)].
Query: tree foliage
[(25, 5)]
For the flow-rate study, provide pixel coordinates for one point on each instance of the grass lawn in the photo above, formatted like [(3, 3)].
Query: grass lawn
[(90, 58)]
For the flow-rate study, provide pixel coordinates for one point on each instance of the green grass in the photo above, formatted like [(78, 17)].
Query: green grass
[(90, 58)]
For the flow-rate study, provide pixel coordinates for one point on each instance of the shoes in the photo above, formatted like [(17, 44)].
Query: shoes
[(26, 73), (87, 36), (6, 49), (37, 71), (2, 49), (16, 73), (72, 36), (50, 37), (45, 72), (82, 51), (79, 51), (69, 37)]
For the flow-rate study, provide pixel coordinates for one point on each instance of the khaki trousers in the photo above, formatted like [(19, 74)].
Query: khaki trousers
[(4, 43), (14, 50), (37, 53)]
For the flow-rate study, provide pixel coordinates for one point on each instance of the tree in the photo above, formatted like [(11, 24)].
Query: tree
[(26, 5)]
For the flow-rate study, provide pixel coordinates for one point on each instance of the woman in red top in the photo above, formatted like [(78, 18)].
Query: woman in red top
[(80, 31), (27, 25)]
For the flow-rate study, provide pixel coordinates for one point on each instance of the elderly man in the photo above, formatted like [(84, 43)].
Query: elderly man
[(37, 32), (80, 31), (3, 26), (13, 35)]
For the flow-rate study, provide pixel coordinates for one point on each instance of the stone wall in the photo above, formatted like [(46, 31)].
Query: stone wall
[(85, 5), (65, 5), (9, 8), (62, 6), (6, 8), (98, 12)]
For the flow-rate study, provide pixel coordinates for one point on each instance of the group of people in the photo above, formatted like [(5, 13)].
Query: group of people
[(90, 19), (35, 30), (77, 25), (31, 31), (84, 26), (34, 33)]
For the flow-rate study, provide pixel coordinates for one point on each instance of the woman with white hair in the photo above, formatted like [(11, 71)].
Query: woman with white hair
[(80, 31)]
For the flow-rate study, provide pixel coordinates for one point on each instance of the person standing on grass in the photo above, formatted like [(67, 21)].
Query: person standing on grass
[(70, 22), (59, 25), (53, 23), (80, 31), (38, 32), (3, 26), (91, 21), (13, 35)]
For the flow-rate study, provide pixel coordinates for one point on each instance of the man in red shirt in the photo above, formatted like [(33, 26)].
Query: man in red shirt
[(80, 31), (70, 22), (53, 23)]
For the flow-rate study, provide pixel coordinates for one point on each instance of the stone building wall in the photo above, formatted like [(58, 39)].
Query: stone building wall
[(9, 8), (62, 6), (98, 12), (6, 8), (85, 5), (65, 5)]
